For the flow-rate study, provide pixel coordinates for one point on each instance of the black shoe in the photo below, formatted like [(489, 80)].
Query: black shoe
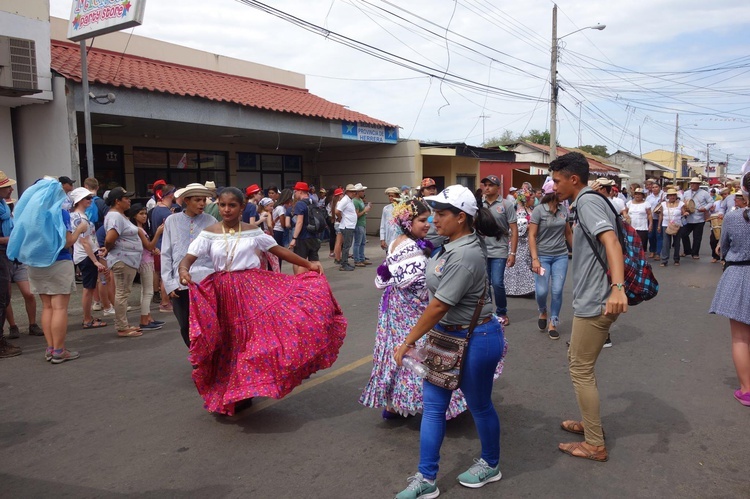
[(553, 334), (541, 324), (608, 343), (346, 268), (8, 350)]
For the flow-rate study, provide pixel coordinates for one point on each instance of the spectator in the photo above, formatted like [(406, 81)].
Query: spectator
[(254, 195), (157, 188), (389, 231), (347, 216), (360, 236), (157, 215), (67, 185), (139, 217), (303, 243)]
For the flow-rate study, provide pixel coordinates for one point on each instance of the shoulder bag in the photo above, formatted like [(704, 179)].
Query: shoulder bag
[(446, 353)]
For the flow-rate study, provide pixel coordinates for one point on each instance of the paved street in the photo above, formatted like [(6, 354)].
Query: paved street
[(126, 420)]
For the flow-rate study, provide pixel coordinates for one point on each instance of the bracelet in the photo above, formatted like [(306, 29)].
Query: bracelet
[(409, 345), (619, 285), (534, 259), (183, 268), (512, 254)]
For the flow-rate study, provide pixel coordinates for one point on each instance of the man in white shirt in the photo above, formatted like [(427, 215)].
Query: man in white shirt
[(388, 230), (511, 195), (697, 220), (347, 216), (654, 199)]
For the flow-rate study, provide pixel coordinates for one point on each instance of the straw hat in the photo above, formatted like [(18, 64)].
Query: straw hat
[(672, 191), (695, 180), (194, 190), (6, 181)]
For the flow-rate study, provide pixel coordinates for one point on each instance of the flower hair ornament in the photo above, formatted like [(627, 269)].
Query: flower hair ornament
[(403, 214)]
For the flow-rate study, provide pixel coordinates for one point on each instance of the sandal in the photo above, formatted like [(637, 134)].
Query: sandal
[(503, 319), (576, 449), (131, 332), (94, 323), (573, 426)]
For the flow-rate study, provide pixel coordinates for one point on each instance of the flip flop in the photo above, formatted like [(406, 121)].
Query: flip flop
[(131, 332), (572, 447), (94, 323)]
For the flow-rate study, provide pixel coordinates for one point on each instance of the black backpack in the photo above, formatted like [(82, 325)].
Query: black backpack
[(316, 218)]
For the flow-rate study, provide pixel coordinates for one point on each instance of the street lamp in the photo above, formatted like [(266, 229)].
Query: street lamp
[(553, 81)]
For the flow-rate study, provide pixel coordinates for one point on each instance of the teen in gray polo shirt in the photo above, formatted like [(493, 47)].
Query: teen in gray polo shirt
[(498, 256), (596, 303)]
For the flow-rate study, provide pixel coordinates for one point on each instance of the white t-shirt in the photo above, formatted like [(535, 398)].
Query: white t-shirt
[(348, 213), (638, 215), (671, 214), (79, 252), (618, 203), (277, 212)]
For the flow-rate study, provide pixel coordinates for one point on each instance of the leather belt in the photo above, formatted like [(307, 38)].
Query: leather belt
[(453, 329)]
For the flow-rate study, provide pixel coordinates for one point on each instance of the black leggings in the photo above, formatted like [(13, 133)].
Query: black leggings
[(181, 308)]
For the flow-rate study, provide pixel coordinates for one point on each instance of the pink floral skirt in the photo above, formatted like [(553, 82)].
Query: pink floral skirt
[(255, 333)]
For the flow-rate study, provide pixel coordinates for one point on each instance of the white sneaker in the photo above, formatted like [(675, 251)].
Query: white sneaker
[(96, 306), (129, 308), (109, 311)]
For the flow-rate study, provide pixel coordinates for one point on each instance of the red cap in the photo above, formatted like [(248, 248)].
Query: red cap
[(338, 192), (158, 182), (301, 186), (252, 190), (427, 182)]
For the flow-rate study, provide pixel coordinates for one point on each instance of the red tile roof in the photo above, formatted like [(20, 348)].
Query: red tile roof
[(594, 164), (115, 69)]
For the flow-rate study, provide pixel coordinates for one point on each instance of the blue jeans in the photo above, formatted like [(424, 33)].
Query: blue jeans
[(496, 273), (654, 239), (484, 352), (359, 244), (555, 270)]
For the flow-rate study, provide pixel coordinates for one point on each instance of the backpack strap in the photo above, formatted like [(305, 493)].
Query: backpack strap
[(589, 239)]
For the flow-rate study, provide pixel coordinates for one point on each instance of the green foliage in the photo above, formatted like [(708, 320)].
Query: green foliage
[(595, 150), (507, 137)]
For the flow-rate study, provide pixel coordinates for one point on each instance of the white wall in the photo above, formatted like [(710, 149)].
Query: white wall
[(45, 143), (7, 157)]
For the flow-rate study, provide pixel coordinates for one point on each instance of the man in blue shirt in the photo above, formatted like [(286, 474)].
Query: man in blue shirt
[(303, 243)]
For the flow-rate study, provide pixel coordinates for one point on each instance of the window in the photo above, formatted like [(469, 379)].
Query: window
[(178, 167), (268, 169)]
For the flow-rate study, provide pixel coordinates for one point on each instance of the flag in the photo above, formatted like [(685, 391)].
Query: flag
[(182, 163)]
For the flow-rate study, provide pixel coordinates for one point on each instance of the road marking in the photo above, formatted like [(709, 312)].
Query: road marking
[(310, 384)]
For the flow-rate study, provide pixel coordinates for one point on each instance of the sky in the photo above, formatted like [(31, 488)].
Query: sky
[(485, 64)]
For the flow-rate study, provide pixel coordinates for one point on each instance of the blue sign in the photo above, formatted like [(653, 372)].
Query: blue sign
[(369, 133)]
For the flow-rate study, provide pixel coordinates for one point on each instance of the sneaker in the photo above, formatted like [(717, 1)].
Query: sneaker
[(97, 306), (167, 309), (65, 355), (479, 474), (742, 398), (158, 323), (337, 262), (367, 262), (346, 268), (157, 297), (48, 354), (130, 307), (35, 330), (419, 488), (331, 255), (109, 311), (13, 332), (608, 343), (360, 264), (150, 326), (8, 350), (553, 334)]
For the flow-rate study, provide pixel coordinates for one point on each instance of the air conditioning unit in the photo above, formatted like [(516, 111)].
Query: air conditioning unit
[(18, 67)]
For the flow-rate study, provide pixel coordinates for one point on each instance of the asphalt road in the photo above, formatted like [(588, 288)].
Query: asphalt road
[(126, 420)]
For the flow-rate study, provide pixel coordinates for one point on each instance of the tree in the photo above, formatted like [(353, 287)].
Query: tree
[(537, 137), (507, 137), (595, 150)]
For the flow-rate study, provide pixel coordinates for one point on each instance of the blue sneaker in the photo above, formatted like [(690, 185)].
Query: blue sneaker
[(158, 323), (479, 474), (419, 488)]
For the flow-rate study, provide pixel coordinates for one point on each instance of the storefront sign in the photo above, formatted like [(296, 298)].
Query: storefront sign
[(369, 133), (90, 18)]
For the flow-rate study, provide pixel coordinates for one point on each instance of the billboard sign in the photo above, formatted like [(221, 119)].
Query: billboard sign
[(369, 133), (90, 18)]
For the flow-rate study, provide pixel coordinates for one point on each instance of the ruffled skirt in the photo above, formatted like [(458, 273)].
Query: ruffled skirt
[(255, 333)]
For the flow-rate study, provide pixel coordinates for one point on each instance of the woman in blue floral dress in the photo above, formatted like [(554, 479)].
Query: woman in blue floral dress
[(396, 389)]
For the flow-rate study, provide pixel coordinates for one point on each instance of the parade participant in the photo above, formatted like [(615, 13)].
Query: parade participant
[(670, 215), (519, 280), (244, 348), (179, 231), (85, 255), (396, 389), (139, 217), (654, 198), (717, 210), (733, 291), (17, 271), (511, 197), (157, 215), (457, 282), (347, 215), (123, 250), (696, 221), (389, 230), (303, 243), (548, 232), (641, 219), (498, 255), (254, 195), (360, 236), (596, 303), (211, 207), (42, 238)]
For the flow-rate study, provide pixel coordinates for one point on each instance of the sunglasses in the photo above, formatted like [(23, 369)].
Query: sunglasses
[(89, 198)]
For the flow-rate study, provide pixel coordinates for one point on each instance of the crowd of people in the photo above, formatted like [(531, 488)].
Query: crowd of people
[(452, 258)]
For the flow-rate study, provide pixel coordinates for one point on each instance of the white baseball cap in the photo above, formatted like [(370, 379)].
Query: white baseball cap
[(457, 196)]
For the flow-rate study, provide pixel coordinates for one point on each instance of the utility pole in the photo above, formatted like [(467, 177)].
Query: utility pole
[(676, 144), (553, 90), (484, 118), (708, 157)]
